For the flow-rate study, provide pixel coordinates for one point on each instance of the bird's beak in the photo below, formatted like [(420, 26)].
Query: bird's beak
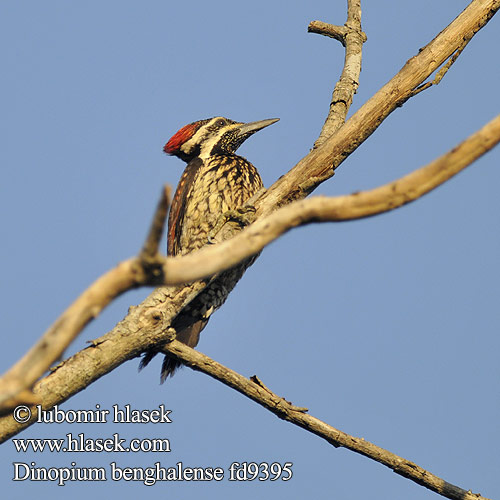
[(250, 128)]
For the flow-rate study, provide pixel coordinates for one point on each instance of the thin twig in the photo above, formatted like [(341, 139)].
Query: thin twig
[(443, 70), (151, 247), (330, 30)]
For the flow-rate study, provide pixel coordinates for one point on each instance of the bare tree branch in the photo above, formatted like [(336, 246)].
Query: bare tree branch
[(146, 269), (102, 356), (253, 239), (256, 391), (440, 74), (285, 410), (151, 247), (320, 164), (352, 38)]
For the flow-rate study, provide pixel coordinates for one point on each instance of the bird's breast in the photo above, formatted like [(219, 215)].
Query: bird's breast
[(221, 183)]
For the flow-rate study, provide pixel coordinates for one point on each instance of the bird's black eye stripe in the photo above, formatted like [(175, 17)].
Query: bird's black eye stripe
[(217, 125)]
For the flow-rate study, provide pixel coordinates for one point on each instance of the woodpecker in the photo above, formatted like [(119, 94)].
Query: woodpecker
[(215, 181)]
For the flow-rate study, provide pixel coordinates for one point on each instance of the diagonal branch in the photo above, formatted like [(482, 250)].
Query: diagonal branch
[(213, 259), (320, 164), (255, 390), (443, 70)]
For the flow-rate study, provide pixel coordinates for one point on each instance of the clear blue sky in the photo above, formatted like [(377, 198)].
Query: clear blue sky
[(385, 328)]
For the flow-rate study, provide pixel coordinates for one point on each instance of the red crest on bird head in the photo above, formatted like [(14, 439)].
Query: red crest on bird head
[(180, 137)]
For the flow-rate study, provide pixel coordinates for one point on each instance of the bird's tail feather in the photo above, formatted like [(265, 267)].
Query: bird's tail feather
[(188, 332), (189, 335)]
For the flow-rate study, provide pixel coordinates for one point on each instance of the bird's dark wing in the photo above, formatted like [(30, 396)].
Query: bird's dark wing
[(178, 208)]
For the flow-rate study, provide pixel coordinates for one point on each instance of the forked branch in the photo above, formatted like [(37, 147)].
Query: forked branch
[(351, 36)]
